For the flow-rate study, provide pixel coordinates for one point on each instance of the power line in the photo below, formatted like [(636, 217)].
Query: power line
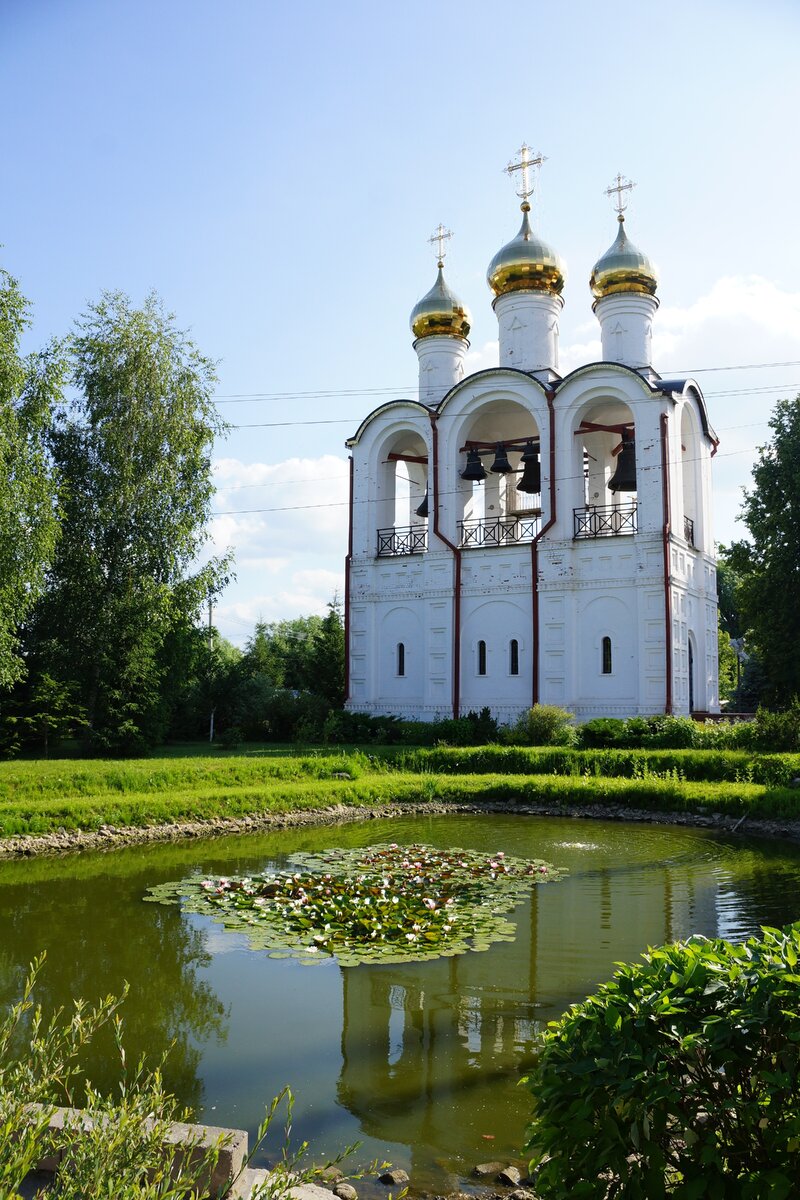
[(246, 512), (325, 393)]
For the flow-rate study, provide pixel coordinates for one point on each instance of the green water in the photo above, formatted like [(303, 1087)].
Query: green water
[(417, 1061)]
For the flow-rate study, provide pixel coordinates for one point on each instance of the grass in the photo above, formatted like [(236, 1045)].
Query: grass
[(46, 796)]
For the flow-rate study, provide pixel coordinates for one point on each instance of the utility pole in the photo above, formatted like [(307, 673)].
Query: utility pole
[(210, 649)]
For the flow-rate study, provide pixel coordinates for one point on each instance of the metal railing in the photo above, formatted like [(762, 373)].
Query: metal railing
[(608, 520), (688, 530), (406, 539), (498, 531)]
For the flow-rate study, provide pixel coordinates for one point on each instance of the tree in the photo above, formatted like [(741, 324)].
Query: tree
[(133, 455), (29, 386), (769, 566), (305, 654)]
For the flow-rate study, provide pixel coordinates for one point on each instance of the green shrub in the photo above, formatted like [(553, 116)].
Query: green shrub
[(544, 725), (771, 731), (602, 731), (680, 1077)]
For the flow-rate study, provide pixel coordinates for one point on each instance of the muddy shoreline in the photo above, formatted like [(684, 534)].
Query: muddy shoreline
[(110, 837)]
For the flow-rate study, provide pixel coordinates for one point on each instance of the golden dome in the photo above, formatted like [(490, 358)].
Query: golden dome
[(526, 264), (623, 268), (440, 312)]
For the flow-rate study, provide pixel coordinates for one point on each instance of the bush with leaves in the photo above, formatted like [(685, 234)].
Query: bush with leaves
[(680, 1077), (543, 725), (118, 1147)]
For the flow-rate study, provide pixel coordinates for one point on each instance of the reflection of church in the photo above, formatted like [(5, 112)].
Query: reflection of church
[(519, 537), (431, 1052)]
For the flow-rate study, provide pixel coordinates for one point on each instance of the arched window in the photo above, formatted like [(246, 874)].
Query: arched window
[(513, 657), (481, 658), (606, 655), (401, 658)]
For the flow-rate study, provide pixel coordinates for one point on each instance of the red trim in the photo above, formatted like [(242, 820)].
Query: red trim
[(667, 566), (347, 562), (550, 396), (457, 582)]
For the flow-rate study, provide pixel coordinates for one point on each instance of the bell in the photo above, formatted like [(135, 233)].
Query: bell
[(501, 465), (624, 478), (531, 480), (422, 511), (474, 470)]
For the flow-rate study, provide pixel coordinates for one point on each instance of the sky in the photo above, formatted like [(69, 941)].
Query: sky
[(274, 171)]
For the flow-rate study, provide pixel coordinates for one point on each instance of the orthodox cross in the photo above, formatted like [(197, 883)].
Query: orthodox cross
[(621, 186), (527, 160), (439, 236)]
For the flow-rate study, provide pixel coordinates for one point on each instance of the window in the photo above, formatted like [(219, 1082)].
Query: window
[(401, 658), (513, 657), (481, 658), (606, 656)]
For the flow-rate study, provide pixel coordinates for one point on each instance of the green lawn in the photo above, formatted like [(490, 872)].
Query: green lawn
[(43, 796)]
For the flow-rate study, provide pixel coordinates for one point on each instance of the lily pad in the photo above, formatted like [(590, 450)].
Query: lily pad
[(383, 903)]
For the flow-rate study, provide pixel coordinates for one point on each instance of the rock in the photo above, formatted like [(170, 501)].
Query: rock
[(330, 1174), (487, 1170), (521, 1194), (509, 1176), (395, 1177), (345, 1191)]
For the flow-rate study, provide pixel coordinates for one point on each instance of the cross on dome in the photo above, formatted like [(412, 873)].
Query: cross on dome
[(438, 238), (621, 186), (527, 161)]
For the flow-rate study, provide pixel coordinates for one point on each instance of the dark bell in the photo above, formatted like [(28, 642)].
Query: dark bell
[(422, 511), (531, 480), (624, 478), (474, 470), (501, 465)]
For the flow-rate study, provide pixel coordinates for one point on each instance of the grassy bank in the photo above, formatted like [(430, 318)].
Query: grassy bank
[(43, 797)]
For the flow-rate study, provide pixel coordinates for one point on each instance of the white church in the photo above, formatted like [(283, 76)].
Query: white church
[(521, 537)]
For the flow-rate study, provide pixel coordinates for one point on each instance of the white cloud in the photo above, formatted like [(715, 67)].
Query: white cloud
[(287, 523), (481, 360)]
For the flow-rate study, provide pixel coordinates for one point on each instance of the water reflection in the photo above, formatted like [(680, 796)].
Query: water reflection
[(95, 940), (419, 1060)]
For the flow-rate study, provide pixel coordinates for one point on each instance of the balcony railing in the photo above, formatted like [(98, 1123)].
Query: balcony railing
[(407, 539), (604, 521), (688, 530), (499, 531)]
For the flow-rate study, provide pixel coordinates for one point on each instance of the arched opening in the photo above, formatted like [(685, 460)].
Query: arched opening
[(401, 658), (481, 658), (691, 676), (606, 662), (513, 657), (501, 496), (690, 477), (604, 471), (402, 495)]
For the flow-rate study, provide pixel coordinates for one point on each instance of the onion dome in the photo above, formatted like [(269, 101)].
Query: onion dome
[(623, 268), (526, 264), (440, 312)]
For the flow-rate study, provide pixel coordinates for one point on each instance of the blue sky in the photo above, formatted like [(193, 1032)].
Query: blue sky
[(274, 172)]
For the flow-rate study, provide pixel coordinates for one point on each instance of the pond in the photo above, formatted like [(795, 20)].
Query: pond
[(418, 1061)]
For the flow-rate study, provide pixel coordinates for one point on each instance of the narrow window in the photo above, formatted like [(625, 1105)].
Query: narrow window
[(606, 655), (481, 658), (513, 657), (401, 658)]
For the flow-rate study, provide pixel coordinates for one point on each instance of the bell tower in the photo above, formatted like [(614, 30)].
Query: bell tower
[(623, 282), (527, 278), (440, 324)]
